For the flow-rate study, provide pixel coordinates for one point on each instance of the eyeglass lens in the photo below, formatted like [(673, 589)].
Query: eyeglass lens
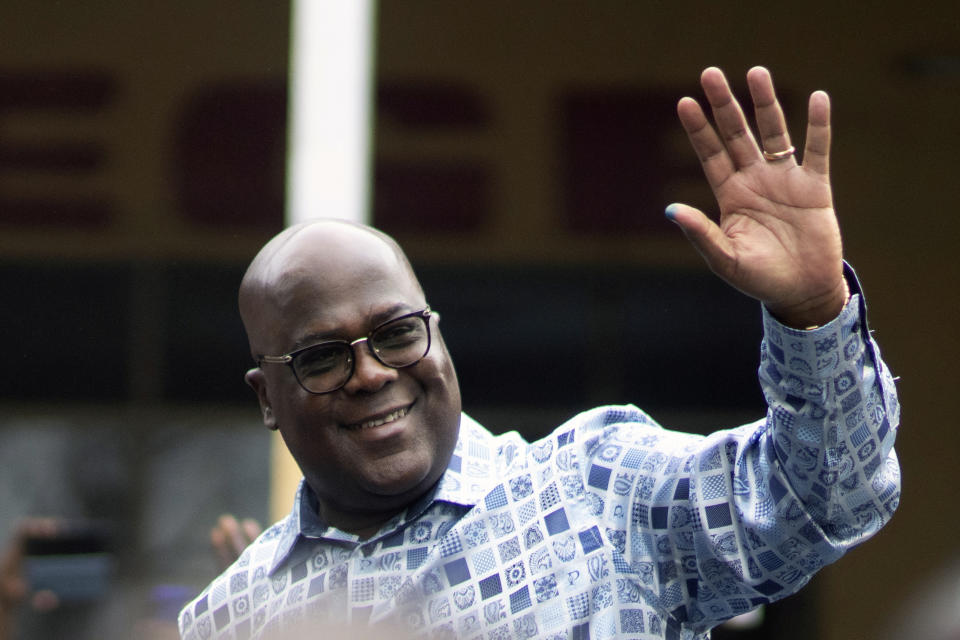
[(398, 343)]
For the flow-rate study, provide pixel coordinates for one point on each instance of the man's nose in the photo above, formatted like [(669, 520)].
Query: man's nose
[(369, 374)]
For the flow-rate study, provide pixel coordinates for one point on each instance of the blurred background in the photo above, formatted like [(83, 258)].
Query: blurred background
[(523, 154)]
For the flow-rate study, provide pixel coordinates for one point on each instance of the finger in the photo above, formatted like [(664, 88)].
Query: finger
[(251, 529), (13, 589), (731, 123), (238, 541), (218, 543), (716, 164), (705, 235), (771, 124), (816, 153), (26, 529), (36, 527), (232, 534), (221, 539), (44, 601)]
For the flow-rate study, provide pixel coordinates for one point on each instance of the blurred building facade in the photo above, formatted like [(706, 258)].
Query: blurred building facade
[(523, 156)]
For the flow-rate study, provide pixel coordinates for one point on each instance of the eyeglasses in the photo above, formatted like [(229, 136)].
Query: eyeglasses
[(327, 366)]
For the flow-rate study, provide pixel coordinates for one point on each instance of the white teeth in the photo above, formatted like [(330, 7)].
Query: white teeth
[(390, 417)]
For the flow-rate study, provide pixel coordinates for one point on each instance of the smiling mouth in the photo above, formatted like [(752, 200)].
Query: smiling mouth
[(393, 416)]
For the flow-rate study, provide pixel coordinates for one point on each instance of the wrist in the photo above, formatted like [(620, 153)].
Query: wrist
[(814, 313)]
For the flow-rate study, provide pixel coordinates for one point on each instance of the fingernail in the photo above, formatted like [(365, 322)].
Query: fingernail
[(671, 212)]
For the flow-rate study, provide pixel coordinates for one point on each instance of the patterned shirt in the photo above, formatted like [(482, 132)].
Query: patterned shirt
[(610, 527)]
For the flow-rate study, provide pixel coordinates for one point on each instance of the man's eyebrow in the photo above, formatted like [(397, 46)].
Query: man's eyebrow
[(375, 320), (314, 338)]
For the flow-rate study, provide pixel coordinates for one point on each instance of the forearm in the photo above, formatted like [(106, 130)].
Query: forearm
[(832, 423), (814, 478)]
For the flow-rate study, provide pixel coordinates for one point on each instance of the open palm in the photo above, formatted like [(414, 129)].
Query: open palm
[(777, 237)]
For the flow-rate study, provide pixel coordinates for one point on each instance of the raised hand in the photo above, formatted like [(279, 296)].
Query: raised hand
[(777, 238), (229, 537)]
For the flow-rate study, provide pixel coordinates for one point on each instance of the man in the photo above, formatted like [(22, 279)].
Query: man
[(413, 518)]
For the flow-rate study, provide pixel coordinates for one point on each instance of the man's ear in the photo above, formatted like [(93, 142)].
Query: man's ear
[(258, 382)]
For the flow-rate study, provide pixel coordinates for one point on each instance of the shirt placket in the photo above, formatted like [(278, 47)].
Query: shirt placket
[(362, 582)]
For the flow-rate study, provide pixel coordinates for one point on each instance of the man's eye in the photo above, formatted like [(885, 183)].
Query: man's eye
[(319, 361), (400, 334)]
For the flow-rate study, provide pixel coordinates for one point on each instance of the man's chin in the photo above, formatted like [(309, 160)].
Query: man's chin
[(403, 484)]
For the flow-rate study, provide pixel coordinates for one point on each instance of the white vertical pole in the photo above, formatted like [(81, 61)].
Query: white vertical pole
[(331, 58), (328, 143)]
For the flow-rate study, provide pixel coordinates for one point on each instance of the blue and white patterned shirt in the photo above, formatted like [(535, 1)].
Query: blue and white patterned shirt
[(610, 527)]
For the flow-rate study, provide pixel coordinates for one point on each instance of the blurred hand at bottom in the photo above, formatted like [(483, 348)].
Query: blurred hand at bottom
[(15, 590)]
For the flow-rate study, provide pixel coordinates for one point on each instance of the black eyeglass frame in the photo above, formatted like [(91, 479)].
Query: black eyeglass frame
[(288, 358)]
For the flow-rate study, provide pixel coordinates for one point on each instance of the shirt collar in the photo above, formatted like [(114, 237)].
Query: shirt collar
[(471, 472), (469, 476)]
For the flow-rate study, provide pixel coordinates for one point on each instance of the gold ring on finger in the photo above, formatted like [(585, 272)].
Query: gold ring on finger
[(779, 155)]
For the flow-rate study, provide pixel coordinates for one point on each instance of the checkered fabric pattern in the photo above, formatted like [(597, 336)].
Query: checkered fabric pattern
[(610, 527)]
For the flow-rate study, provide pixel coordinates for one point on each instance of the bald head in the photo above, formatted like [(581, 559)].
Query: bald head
[(317, 254)]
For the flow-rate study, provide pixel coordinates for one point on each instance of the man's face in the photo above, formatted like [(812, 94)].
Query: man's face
[(375, 445)]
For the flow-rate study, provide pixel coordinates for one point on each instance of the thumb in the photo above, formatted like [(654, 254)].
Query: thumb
[(44, 601), (704, 234)]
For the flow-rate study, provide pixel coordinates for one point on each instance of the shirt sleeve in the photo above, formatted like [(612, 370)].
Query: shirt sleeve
[(721, 524), (830, 427)]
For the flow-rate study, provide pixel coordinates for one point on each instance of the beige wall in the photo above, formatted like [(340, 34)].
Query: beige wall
[(159, 56)]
